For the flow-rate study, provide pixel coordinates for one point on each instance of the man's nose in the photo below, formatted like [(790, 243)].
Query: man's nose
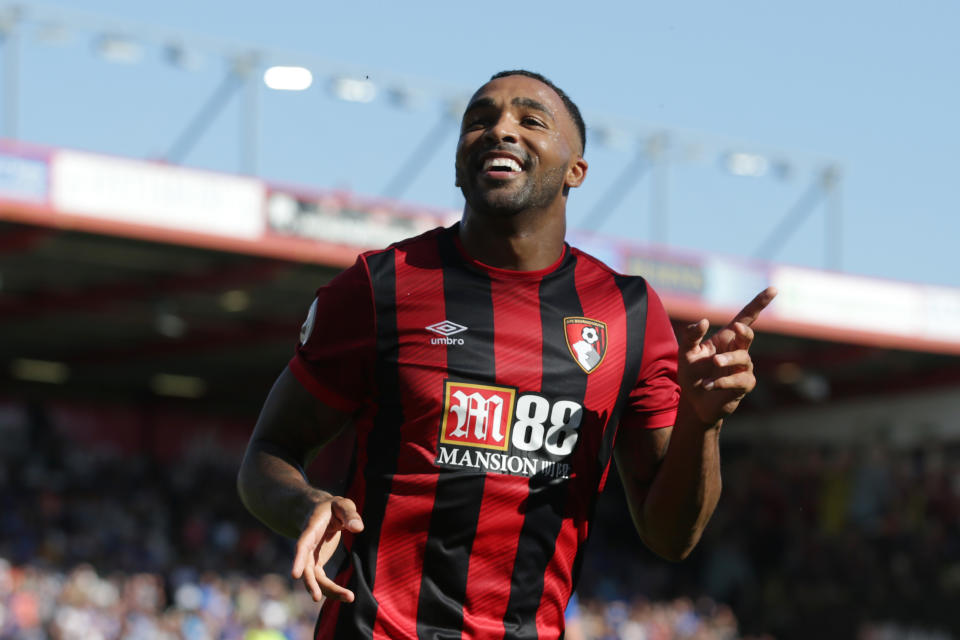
[(504, 129)]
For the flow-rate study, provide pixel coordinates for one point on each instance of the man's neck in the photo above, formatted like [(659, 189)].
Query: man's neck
[(528, 241)]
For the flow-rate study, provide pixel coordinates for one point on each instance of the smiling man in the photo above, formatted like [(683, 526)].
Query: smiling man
[(479, 456)]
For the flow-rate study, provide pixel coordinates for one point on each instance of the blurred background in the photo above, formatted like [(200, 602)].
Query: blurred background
[(176, 179)]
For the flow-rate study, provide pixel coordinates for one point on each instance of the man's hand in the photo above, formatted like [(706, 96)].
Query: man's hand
[(319, 540), (716, 374)]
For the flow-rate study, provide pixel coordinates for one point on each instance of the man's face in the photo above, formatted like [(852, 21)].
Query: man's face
[(519, 147)]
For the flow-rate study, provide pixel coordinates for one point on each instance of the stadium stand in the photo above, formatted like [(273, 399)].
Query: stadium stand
[(808, 541), (137, 351)]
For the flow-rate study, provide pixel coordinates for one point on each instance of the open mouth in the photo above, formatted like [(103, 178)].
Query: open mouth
[(501, 167)]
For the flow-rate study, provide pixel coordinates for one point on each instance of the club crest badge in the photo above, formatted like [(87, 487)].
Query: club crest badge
[(587, 341)]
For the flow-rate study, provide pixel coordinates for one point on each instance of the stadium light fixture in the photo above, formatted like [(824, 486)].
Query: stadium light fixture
[(288, 78), (740, 163), (352, 89), (177, 386), (183, 57), (118, 48), (39, 370)]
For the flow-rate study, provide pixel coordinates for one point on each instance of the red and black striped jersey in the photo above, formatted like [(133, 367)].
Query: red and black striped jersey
[(486, 406)]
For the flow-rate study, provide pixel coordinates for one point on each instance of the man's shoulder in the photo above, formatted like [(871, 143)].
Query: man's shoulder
[(601, 267), (428, 237), (633, 287)]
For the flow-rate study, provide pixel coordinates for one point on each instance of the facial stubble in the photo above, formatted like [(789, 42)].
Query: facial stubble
[(508, 200)]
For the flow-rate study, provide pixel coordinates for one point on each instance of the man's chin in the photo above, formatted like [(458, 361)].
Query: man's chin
[(499, 198), (498, 203)]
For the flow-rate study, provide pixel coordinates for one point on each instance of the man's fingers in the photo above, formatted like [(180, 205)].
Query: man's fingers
[(722, 365), (346, 511), (319, 539), (742, 382), (310, 582), (750, 312), (743, 335), (330, 588), (740, 358), (306, 543), (693, 334)]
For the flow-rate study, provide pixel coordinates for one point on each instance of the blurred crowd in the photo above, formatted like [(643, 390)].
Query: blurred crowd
[(812, 541), (808, 541), (82, 604)]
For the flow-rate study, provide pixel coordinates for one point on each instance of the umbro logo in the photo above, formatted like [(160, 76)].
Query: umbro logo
[(446, 329)]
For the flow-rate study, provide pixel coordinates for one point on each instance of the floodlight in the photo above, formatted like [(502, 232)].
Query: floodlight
[(288, 78), (118, 48), (746, 164), (353, 90)]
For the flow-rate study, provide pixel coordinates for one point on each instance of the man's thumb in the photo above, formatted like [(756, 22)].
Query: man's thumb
[(692, 334), (347, 512)]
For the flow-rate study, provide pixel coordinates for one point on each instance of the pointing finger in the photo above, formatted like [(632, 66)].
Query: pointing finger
[(750, 312)]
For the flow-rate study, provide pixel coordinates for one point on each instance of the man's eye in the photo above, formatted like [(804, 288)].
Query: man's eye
[(532, 121)]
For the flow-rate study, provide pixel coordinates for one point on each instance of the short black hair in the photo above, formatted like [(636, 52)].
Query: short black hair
[(572, 108)]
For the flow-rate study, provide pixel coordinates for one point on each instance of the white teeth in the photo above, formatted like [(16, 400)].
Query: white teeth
[(509, 163)]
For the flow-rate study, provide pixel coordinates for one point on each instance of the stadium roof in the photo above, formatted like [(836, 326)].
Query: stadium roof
[(140, 281)]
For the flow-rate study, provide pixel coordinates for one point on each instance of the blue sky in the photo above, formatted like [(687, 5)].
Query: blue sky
[(869, 86)]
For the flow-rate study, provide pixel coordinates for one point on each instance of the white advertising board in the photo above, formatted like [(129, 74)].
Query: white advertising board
[(849, 302), (156, 195)]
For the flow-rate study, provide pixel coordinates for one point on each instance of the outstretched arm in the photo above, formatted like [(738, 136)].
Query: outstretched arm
[(291, 429), (671, 476)]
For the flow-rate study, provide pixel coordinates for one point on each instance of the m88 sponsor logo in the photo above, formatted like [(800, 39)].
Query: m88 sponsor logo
[(496, 429)]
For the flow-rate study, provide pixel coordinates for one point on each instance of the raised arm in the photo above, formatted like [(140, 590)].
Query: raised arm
[(292, 427), (671, 476)]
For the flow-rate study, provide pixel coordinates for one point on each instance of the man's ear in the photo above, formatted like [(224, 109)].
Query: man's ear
[(576, 174)]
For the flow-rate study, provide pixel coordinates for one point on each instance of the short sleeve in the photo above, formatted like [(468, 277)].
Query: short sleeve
[(335, 355), (652, 403)]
